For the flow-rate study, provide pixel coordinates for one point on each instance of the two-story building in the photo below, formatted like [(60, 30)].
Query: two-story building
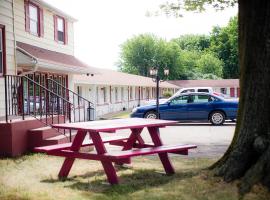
[(37, 39), (37, 66)]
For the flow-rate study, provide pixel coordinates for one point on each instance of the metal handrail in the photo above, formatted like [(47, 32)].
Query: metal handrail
[(70, 91), (46, 89)]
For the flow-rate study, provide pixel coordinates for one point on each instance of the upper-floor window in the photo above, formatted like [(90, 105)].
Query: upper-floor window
[(33, 19), (2, 50), (60, 29)]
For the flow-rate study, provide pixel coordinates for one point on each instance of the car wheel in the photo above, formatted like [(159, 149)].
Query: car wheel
[(151, 115), (217, 118)]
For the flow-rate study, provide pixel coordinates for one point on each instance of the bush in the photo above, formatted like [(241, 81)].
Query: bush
[(167, 94)]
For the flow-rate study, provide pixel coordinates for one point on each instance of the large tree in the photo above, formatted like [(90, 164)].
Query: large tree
[(141, 52), (248, 157), (224, 43)]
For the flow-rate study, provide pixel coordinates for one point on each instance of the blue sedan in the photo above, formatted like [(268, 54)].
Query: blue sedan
[(192, 107)]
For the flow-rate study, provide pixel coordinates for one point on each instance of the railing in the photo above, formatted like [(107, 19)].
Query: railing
[(82, 110), (49, 102), (26, 97)]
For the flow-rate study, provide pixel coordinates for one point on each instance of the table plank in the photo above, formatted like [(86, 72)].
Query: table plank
[(116, 124)]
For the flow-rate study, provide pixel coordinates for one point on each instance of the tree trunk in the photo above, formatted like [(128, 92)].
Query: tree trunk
[(248, 156)]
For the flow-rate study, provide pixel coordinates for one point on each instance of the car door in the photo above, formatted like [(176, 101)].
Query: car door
[(177, 108), (199, 107)]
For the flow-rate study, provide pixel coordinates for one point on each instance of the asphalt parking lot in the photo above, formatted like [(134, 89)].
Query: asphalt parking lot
[(212, 141)]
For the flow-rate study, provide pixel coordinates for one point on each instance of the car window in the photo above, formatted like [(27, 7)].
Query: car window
[(180, 100), (188, 90), (200, 99), (203, 90)]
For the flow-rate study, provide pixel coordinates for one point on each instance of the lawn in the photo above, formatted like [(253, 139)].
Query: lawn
[(35, 177)]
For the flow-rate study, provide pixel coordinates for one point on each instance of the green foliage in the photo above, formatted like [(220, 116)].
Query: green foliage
[(174, 7), (167, 94), (224, 43), (193, 42), (187, 57), (142, 52), (209, 64)]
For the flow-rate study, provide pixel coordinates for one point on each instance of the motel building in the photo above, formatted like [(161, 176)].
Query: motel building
[(228, 87), (41, 82)]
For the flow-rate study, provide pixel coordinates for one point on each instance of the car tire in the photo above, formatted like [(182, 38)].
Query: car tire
[(151, 115), (217, 118)]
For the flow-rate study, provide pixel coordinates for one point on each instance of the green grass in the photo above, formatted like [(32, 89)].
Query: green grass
[(124, 114), (35, 177)]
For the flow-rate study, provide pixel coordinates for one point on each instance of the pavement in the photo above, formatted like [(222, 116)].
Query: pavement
[(212, 141)]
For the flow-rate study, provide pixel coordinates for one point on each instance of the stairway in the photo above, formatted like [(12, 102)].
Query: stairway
[(44, 136)]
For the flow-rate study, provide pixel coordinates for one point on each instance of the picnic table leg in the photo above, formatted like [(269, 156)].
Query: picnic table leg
[(134, 136), (107, 165), (76, 145), (155, 135)]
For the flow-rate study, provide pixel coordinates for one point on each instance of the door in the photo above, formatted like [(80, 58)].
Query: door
[(199, 107), (176, 109)]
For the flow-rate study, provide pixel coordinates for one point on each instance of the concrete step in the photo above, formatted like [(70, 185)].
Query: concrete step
[(43, 132), (59, 139), (47, 136)]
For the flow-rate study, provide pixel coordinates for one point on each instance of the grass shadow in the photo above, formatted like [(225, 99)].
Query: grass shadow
[(132, 182)]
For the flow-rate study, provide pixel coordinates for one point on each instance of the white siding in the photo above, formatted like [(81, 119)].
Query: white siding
[(47, 41), (6, 19)]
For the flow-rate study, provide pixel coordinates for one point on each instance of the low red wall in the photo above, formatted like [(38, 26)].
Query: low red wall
[(14, 135)]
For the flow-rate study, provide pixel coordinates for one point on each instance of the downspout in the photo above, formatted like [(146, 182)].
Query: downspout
[(14, 37)]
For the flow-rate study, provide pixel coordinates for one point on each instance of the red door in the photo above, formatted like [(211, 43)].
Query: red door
[(238, 92), (232, 92)]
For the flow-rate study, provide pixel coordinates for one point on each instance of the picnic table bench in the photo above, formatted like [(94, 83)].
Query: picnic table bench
[(133, 145)]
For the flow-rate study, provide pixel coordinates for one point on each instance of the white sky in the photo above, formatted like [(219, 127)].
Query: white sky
[(103, 25)]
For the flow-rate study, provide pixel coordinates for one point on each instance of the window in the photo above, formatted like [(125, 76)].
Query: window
[(188, 90), (131, 93), (2, 50), (180, 100), (199, 99), (60, 29), (223, 90), (33, 19), (122, 94), (203, 90), (79, 92), (116, 94), (97, 95), (105, 95)]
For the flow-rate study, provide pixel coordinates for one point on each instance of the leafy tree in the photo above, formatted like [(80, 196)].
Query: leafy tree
[(209, 64), (248, 156), (193, 42), (142, 52), (224, 42)]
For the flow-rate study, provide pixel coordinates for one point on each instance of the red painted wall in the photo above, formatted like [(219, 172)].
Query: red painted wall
[(14, 136)]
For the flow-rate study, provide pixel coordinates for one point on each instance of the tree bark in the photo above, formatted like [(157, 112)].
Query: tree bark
[(248, 156)]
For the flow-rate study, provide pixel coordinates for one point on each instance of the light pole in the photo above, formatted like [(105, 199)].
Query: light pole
[(156, 78)]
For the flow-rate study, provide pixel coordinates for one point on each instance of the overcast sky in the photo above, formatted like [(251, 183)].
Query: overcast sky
[(103, 25)]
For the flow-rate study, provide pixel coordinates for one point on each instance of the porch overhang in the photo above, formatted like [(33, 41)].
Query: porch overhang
[(32, 58)]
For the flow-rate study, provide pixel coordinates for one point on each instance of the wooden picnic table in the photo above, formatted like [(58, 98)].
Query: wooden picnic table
[(133, 145)]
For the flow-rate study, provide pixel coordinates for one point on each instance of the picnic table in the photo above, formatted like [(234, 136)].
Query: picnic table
[(133, 145)]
